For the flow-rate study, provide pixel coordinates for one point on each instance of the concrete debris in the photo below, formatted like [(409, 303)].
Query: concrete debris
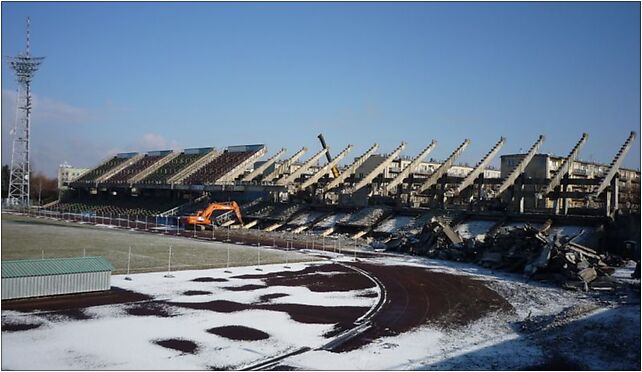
[(537, 253)]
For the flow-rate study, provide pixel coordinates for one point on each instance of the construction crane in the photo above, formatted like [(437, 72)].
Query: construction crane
[(203, 218), (334, 169)]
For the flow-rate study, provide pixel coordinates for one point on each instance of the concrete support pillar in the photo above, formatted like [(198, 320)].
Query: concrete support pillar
[(441, 191), (480, 187), (615, 191), (518, 193), (556, 201), (564, 197)]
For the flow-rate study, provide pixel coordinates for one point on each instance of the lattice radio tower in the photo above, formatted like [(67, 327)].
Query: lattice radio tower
[(25, 66)]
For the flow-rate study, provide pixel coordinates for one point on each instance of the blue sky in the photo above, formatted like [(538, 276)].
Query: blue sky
[(148, 76)]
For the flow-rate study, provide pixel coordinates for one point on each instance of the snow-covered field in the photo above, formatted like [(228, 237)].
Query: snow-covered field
[(114, 339), (547, 321)]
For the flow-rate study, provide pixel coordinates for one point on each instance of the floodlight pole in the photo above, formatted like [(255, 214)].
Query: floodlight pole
[(25, 67)]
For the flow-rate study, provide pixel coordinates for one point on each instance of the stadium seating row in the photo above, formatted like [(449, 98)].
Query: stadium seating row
[(162, 174), (118, 206), (132, 170), (93, 174), (218, 167)]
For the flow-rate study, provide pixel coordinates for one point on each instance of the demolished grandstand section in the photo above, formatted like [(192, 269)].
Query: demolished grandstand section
[(384, 200)]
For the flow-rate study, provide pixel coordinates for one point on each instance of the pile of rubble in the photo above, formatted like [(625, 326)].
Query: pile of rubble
[(524, 249)]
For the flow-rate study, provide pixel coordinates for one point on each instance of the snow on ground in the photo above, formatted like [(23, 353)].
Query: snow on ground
[(172, 289), (426, 348), (470, 229), (116, 340), (332, 220), (305, 218), (395, 223)]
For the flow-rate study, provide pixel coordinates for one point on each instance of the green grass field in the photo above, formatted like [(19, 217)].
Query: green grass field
[(28, 237)]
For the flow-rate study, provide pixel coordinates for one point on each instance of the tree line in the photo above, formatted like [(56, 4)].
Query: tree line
[(43, 189)]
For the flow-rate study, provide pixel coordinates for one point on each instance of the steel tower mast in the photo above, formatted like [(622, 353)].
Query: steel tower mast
[(25, 66)]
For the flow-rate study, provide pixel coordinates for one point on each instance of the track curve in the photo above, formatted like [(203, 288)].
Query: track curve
[(416, 295)]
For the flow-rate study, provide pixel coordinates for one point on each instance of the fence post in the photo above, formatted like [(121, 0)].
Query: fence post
[(258, 249), (355, 249), (129, 259), (169, 264), (227, 266)]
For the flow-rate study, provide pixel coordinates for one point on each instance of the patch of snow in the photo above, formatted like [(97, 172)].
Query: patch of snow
[(305, 218), (113, 339), (395, 223), (473, 228), (332, 220)]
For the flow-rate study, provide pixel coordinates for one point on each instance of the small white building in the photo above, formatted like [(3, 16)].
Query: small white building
[(55, 276), (67, 173)]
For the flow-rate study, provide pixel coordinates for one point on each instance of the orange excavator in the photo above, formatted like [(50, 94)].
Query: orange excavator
[(202, 218)]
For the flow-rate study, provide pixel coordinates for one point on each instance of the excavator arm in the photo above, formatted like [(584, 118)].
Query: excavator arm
[(203, 217)]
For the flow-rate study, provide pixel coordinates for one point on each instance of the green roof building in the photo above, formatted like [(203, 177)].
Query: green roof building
[(55, 276)]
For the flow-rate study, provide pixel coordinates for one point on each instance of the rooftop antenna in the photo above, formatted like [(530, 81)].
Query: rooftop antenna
[(25, 66)]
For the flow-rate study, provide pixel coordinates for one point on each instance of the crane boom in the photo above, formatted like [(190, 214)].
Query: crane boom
[(335, 170)]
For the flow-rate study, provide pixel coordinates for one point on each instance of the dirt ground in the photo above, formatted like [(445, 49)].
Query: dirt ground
[(240, 333), (417, 295)]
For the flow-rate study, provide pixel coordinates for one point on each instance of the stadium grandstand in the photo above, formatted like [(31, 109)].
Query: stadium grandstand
[(172, 182)]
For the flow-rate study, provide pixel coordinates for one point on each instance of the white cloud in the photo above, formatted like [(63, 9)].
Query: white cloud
[(45, 110), (51, 144)]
